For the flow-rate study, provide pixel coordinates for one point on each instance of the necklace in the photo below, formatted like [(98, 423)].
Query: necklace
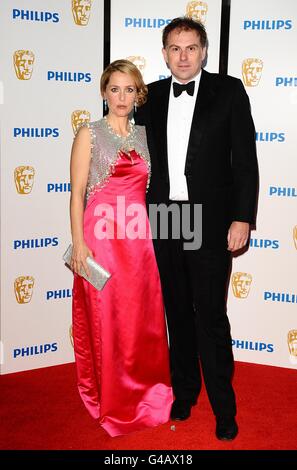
[(124, 143)]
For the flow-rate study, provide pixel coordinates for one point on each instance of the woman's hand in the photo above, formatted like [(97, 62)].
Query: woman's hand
[(80, 252)]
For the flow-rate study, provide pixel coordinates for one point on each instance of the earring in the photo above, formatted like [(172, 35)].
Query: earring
[(135, 107), (105, 105)]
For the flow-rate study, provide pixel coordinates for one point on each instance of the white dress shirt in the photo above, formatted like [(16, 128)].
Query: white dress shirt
[(180, 115)]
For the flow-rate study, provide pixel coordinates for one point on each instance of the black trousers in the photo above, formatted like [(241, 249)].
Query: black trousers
[(194, 284)]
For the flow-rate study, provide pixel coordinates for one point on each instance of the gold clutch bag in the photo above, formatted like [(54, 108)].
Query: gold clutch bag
[(98, 275)]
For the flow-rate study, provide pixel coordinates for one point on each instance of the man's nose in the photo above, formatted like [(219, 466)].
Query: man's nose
[(183, 55)]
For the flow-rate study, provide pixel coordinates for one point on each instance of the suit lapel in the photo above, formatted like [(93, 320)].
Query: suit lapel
[(204, 98), (160, 113)]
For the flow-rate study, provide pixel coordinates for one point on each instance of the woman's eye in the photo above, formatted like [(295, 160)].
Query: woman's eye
[(113, 90), (130, 90)]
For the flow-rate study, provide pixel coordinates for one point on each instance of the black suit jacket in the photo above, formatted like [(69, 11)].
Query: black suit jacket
[(221, 164)]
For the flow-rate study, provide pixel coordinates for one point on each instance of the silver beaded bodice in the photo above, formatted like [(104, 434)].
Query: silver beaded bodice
[(106, 149)]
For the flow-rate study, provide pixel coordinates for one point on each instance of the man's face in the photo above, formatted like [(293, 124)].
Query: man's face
[(184, 54)]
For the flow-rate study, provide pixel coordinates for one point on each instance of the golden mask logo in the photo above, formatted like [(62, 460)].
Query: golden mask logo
[(252, 71), (295, 236), (241, 283), (23, 64), (81, 10), (197, 11), (24, 179), (78, 117), (292, 345), (71, 335), (23, 289), (139, 61)]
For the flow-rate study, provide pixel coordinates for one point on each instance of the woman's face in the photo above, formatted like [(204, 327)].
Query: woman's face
[(120, 93)]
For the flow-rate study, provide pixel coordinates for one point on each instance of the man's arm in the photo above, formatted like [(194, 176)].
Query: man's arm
[(244, 168), (244, 157)]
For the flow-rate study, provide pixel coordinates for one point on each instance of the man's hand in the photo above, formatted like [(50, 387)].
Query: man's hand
[(238, 235)]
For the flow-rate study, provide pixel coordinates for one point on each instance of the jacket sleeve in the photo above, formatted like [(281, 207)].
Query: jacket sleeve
[(244, 157)]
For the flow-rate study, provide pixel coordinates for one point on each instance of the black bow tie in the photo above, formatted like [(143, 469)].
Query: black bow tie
[(179, 88)]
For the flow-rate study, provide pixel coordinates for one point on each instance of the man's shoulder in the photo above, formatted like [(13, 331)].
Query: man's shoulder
[(220, 79), (159, 84)]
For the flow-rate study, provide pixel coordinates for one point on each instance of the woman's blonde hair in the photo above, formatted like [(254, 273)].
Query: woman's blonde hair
[(125, 66)]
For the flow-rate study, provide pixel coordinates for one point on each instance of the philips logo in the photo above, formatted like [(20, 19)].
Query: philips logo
[(146, 22), (59, 294), (286, 81), (31, 15), (252, 345), (35, 243), (69, 76), (264, 243), (35, 350), (36, 132), (267, 25), (58, 187), (282, 191), (280, 297), (270, 137)]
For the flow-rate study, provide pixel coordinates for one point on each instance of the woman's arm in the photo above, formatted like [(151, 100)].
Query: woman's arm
[(79, 170)]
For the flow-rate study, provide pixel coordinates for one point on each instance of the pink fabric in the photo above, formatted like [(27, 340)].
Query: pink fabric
[(119, 333)]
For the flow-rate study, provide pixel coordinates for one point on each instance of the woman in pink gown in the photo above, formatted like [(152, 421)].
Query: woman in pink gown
[(120, 341)]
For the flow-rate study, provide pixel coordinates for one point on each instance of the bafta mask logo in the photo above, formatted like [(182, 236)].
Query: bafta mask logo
[(252, 71), (24, 179), (23, 64), (139, 61), (71, 335), (79, 117), (197, 11), (81, 10), (241, 283), (292, 345), (295, 236), (23, 289)]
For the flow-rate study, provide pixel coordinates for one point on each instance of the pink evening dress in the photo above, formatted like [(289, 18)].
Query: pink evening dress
[(119, 333)]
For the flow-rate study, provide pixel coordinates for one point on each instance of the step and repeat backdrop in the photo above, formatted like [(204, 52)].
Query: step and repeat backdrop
[(136, 32), (262, 300), (51, 60), (263, 290)]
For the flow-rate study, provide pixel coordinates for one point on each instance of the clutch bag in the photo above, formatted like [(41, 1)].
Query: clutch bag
[(98, 275)]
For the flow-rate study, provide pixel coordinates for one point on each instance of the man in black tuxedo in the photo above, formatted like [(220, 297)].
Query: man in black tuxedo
[(201, 139)]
